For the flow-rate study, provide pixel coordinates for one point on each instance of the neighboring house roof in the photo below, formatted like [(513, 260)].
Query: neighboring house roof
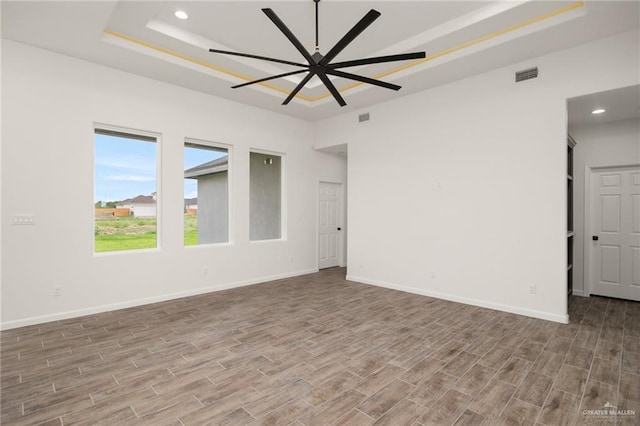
[(191, 201), (209, 168), (139, 199)]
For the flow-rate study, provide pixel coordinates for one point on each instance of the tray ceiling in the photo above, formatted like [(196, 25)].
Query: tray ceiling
[(460, 38)]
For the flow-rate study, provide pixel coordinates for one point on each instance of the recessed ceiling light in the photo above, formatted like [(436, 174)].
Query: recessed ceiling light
[(181, 14), (598, 111)]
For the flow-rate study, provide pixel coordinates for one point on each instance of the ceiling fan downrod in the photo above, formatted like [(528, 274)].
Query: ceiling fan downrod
[(317, 43)]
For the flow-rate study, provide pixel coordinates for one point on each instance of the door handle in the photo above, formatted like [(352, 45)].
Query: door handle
[(594, 238), (339, 229)]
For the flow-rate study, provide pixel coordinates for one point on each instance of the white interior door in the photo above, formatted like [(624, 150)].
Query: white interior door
[(615, 223), (329, 225)]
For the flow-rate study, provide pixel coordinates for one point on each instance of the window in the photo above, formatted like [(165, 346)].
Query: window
[(125, 191), (206, 194), (265, 175)]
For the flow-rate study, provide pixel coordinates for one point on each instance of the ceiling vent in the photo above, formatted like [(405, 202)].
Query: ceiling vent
[(363, 117), (526, 74)]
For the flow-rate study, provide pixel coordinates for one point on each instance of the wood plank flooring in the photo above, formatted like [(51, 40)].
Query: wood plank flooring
[(319, 350)]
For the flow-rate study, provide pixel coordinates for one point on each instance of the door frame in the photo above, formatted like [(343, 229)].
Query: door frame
[(341, 221), (586, 242)]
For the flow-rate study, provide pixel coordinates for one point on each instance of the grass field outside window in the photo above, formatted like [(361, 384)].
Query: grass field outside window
[(135, 233)]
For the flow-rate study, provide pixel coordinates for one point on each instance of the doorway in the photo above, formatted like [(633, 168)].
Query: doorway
[(329, 225), (612, 230), (606, 127)]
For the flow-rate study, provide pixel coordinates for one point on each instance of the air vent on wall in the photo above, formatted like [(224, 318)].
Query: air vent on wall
[(526, 74), (363, 117)]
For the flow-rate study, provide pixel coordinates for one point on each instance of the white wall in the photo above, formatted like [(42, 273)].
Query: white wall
[(473, 187), (607, 144), (50, 103), (460, 191), (1, 172)]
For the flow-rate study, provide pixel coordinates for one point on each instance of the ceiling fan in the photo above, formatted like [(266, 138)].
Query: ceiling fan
[(321, 65)]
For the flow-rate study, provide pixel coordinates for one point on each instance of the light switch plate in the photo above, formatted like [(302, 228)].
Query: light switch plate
[(24, 219)]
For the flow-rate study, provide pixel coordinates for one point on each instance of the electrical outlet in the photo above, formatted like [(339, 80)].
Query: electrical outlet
[(57, 291), (532, 289), (291, 259), (433, 275), (205, 271)]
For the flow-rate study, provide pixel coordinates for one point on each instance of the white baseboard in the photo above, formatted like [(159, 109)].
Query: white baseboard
[(564, 319), (139, 302)]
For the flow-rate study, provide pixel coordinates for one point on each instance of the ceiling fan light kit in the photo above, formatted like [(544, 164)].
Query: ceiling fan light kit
[(321, 65)]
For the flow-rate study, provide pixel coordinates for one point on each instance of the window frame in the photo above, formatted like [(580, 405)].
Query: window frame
[(137, 134), (230, 216), (283, 195)]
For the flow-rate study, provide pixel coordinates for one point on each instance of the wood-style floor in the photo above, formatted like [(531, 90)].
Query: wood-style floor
[(319, 350)]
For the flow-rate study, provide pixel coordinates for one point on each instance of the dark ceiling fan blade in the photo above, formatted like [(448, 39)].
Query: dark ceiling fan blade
[(268, 78), (298, 87), (331, 88), (264, 58), (354, 32), (363, 79), (287, 32), (378, 60)]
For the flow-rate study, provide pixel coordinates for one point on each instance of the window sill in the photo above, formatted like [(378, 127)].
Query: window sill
[(258, 242), (208, 245), (122, 252)]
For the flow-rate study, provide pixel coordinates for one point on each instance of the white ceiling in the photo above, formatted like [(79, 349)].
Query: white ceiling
[(619, 104), (460, 38)]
